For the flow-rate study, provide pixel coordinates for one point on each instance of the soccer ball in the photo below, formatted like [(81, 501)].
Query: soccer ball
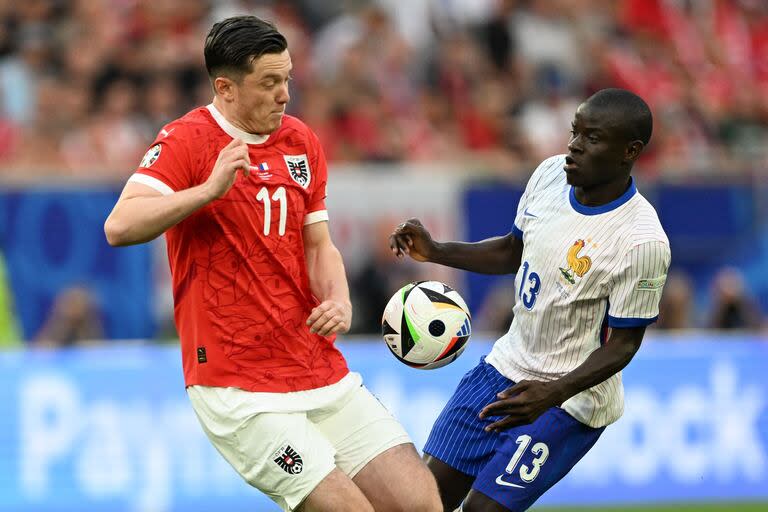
[(426, 325)]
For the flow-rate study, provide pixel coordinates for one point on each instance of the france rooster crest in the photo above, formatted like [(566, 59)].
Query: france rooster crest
[(576, 265), (288, 459), (298, 169)]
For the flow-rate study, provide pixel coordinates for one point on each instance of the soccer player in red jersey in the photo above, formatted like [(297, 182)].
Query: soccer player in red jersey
[(260, 290)]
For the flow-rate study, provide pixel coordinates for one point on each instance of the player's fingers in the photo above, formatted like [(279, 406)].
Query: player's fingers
[(402, 243), (498, 408), (513, 390), (316, 313), (393, 245), (333, 325), (398, 245), (239, 164), (323, 324), (503, 424)]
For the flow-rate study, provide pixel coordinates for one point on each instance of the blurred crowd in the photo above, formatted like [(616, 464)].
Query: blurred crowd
[(478, 86), (485, 85)]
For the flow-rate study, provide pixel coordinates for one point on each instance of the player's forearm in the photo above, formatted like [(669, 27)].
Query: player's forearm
[(498, 255), (327, 276), (139, 219), (601, 364)]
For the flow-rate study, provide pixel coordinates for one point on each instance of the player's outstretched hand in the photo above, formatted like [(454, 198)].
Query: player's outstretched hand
[(521, 404), (330, 317), (413, 239), (233, 158)]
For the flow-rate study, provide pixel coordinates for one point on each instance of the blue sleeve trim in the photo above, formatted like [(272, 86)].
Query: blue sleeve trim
[(517, 232), (630, 322)]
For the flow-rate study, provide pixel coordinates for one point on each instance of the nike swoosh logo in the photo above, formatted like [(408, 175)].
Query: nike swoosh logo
[(507, 484), (529, 214)]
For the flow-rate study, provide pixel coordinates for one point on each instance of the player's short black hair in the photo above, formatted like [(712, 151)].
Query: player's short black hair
[(234, 43), (632, 113)]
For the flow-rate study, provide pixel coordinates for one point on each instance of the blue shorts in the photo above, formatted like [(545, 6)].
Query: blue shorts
[(513, 467)]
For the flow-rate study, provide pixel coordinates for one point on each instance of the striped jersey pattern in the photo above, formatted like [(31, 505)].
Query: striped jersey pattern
[(584, 269)]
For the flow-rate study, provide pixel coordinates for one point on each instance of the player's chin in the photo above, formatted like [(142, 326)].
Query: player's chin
[(572, 179), (275, 120)]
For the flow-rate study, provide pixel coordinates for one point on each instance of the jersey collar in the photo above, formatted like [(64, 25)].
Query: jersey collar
[(603, 208), (233, 131)]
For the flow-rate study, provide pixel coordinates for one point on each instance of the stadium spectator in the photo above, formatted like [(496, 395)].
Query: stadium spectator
[(732, 306), (676, 303), (74, 320), (700, 64)]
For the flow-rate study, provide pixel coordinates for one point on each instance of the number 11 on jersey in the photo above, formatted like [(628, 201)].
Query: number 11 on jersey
[(280, 197)]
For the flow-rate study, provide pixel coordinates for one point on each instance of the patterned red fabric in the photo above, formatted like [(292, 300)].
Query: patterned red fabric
[(240, 282)]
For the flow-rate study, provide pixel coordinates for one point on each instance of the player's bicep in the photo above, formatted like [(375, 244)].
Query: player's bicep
[(515, 252), (629, 338), (316, 236), (134, 189)]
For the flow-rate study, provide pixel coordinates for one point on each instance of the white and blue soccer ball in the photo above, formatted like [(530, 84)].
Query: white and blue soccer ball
[(426, 325)]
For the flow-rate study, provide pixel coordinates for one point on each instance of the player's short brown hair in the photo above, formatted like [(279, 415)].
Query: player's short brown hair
[(234, 43)]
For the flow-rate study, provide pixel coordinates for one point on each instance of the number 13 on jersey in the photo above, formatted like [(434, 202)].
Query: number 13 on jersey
[(278, 197), (530, 285)]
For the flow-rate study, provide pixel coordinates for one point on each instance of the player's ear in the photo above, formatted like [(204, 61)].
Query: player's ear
[(633, 150), (224, 88)]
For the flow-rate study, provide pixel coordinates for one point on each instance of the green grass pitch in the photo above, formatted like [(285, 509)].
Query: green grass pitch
[(720, 507)]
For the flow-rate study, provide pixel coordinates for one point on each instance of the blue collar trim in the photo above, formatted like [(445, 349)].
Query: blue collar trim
[(604, 208)]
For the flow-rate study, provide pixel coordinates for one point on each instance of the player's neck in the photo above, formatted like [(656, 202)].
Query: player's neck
[(224, 118), (228, 112), (603, 194)]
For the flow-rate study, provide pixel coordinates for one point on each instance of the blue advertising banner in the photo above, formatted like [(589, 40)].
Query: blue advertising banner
[(111, 429), (53, 239)]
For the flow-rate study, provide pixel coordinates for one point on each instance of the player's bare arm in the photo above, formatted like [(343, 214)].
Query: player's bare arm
[(142, 214), (328, 281), (497, 255), (522, 403)]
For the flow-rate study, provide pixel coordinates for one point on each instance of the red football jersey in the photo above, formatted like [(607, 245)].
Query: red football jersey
[(240, 282)]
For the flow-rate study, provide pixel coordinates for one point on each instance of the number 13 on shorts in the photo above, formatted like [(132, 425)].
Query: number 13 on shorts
[(528, 473)]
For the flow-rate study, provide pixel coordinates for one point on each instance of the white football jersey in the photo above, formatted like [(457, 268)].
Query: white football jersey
[(583, 269)]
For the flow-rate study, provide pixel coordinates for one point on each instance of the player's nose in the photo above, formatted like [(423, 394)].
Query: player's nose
[(283, 96), (574, 145)]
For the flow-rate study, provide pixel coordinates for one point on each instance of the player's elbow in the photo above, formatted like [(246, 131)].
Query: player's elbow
[(117, 232)]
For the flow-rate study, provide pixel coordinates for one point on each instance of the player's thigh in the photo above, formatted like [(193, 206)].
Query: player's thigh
[(281, 454), (529, 460), (458, 445), (397, 480), (452, 483), (369, 444), (336, 493)]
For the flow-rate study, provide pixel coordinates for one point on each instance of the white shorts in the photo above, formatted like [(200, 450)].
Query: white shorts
[(285, 454)]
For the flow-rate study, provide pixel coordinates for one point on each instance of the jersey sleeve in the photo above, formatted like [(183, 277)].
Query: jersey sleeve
[(636, 291), (316, 210), (166, 166), (545, 168)]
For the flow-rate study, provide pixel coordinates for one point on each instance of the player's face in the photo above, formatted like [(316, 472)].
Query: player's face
[(596, 149), (261, 96)]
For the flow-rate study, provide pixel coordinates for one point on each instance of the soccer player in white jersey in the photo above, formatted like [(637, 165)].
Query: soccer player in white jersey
[(591, 260)]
